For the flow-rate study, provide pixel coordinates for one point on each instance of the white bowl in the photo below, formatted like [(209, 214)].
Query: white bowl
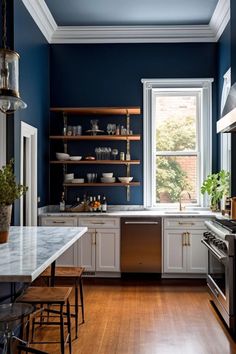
[(108, 179), (75, 158), (125, 179), (107, 174), (69, 176), (62, 156), (78, 180)]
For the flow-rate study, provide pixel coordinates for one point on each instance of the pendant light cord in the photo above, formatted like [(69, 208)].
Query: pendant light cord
[(4, 24)]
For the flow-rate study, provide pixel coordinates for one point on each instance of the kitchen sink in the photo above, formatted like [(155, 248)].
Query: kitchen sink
[(182, 212)]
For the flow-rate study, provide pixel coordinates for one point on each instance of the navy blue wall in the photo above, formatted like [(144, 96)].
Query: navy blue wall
[(34, 89), (223, 64), (224, 60), (110, 75)]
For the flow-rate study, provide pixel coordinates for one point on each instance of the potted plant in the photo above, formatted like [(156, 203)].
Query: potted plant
[(9, 192), (216, 185)]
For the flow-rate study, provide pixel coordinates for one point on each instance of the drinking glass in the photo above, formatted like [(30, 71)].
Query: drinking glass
[(113, 129), (94, 124), (114, 153), (109, 128), (98, 152)]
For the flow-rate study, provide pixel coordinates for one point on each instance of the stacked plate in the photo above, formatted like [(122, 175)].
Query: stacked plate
[(75, 158), (108, 177)]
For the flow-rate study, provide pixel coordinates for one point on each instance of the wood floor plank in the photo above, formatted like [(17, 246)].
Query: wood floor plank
[(147, 317)]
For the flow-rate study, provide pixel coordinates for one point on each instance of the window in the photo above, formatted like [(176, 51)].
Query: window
[(177, 140), (225, 142)]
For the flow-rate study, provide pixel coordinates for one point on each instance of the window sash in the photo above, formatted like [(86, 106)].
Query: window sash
[(204, 138)]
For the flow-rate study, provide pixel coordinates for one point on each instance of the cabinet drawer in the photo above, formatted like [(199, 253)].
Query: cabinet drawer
[(58, 221), (93, 222), (183, 223)]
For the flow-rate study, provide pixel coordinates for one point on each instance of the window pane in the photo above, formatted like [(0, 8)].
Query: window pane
[(174, 174), (176, 123)]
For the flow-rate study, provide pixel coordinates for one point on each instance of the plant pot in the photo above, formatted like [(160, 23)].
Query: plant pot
[(5, 220)]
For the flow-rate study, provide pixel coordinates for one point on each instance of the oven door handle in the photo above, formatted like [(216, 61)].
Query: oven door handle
[(220, 258)]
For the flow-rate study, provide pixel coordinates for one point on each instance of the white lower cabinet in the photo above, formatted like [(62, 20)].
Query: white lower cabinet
[(69, 257), (108, 250), (183, 252), (99, 248), (87, 251)]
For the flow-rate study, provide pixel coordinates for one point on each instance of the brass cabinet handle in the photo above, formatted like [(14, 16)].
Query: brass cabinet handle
[(186, 223), (59, 222), (188, 236), (94, 238), (184, 239), (97, 223)]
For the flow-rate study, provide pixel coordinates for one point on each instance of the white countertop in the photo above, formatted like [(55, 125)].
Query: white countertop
[(135, 213), (31, 250)]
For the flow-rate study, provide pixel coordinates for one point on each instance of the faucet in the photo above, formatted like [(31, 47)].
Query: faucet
[(182, 193)]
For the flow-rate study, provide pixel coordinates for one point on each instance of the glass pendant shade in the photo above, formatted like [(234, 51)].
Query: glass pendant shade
[(10, 99)]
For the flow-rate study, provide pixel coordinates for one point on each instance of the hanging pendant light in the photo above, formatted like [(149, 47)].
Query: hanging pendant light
[(10, 99)]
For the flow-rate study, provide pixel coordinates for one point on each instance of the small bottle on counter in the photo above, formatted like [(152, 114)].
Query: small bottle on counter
[(104, 205), (62, 202), (91, 203), (99, 204)]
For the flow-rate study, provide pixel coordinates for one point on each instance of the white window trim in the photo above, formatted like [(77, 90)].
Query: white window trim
[(225, 139), (206, 130), (3, 139)]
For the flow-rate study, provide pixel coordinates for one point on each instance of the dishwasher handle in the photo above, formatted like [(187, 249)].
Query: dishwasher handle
[(141, 222)]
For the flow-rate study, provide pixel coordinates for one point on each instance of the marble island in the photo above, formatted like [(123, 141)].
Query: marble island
[(31, 249)]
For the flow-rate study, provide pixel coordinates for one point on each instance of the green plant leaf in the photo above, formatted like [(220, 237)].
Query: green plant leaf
[(10, 190)]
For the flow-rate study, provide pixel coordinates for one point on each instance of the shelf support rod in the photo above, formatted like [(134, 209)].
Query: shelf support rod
[(64, 131), (128, 152)]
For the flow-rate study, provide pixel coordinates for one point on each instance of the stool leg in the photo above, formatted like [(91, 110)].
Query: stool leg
[(69, 325), (62, 330), (76, 309), (81, 297)]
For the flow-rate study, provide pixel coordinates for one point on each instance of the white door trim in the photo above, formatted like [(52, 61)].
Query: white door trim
[(30, 133), (3, 132)]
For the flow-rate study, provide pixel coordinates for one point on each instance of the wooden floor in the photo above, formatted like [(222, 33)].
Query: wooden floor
[(147, 317)]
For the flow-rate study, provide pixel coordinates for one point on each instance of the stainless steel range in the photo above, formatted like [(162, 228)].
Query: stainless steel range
[(220, 241)]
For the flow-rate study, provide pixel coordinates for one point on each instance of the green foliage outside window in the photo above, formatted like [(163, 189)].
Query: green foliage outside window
[(173, 135)]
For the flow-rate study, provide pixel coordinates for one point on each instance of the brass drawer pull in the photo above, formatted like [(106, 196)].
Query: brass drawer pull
[(59, 222)]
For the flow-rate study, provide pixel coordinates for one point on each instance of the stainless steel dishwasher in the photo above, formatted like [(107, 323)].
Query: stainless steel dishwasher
[(141, 245)]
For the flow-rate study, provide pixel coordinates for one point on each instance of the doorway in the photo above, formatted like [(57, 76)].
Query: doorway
[(28, 175)]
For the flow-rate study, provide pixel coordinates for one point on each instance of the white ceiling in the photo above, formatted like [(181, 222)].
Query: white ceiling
[(119, 21)]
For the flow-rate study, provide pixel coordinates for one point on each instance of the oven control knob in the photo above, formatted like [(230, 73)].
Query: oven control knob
[(211, 237), (216, 242), (223, 246), (206, 234)]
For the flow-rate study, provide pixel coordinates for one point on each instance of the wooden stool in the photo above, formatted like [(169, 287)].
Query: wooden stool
[(71, 274), (52, 296)]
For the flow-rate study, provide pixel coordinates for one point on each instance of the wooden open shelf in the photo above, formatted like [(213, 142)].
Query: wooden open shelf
[(97, 110), (96, 162), (99, 184), (135, 137)]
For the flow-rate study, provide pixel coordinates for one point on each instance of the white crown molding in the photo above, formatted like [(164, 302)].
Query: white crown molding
[(220, 18), (128, 34), (42, 17), (132, 34)]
